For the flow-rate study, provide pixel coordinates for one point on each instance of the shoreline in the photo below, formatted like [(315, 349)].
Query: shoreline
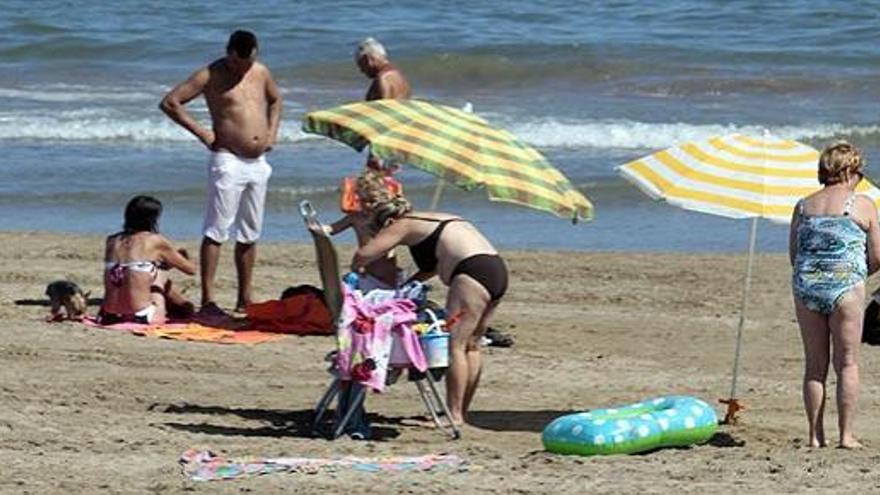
[(592, 330), (343, 245)]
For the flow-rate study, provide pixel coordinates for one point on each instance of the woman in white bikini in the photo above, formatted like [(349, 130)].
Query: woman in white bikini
[(136, 284)]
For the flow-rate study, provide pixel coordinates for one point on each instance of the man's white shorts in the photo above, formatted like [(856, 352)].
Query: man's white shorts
[(236, 196)]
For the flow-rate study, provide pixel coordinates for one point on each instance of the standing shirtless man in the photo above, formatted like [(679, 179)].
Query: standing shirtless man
[(245, 108)]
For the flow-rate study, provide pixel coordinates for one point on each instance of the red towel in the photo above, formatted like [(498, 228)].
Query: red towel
[(303, 314)]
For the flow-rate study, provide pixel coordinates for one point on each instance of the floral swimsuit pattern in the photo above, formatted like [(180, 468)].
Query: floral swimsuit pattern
[(830, 258)]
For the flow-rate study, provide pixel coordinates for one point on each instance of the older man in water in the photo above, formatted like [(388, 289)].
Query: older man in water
[(387, 80), (245, 107)]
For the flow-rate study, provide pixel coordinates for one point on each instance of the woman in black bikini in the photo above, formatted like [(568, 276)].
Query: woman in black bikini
[(451, 247), (136, 284)]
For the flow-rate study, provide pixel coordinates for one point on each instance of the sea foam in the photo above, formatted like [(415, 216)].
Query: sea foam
[(97, 126), (551, 133)]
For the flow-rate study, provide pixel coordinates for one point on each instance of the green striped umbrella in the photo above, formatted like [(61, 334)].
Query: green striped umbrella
[(457, 146)]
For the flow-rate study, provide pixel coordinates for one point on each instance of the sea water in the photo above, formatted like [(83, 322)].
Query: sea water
[(591, 85)]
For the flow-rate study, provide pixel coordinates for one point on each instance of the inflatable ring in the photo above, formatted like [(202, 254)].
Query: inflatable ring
[(671, 421)]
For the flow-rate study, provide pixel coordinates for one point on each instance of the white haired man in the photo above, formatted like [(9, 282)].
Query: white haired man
[(387, 80)]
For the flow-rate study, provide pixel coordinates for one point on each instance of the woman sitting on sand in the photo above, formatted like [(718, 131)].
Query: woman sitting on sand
[(831, 232), (136, 284), (466, 262)]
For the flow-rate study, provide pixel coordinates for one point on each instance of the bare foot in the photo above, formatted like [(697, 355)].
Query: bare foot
[(850, 443), (817, 437)]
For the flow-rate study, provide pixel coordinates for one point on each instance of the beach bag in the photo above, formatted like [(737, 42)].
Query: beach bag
[(298, 290), (871, 324)]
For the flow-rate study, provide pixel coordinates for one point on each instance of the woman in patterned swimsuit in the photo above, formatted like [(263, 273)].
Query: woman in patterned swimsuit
[(834, 244)]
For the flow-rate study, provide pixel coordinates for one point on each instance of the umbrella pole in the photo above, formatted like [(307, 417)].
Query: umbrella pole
[(441, 182), (733, 404), (438, 191)]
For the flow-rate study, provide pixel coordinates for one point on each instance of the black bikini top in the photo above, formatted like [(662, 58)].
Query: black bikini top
[(424, 253)]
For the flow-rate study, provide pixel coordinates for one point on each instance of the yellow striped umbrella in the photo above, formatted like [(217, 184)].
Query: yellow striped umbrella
[(457, 146), (734, 176)]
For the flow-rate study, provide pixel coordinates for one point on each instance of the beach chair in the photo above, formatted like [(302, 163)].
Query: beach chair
[(425, 383)]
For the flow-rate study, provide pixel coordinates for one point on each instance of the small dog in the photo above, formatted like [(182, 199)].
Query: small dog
[(67, 295)]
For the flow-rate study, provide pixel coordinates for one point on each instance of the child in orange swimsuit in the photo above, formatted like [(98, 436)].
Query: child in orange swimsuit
[(382, 273)]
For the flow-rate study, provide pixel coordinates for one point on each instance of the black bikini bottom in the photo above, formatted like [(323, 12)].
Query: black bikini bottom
[(487, 269)]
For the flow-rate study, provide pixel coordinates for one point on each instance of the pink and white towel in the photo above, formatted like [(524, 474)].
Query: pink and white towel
[(364, 338)]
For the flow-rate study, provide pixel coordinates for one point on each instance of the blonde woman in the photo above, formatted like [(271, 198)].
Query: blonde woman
[(451, 247), (834, 243)]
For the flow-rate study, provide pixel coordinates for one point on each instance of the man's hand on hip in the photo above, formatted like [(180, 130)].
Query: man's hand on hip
[(208, 139)]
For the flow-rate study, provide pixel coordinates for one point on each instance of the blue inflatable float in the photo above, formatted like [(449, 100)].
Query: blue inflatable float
[(671, 421)]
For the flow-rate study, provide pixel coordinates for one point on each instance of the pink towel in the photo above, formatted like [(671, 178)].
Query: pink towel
[(364, 337)]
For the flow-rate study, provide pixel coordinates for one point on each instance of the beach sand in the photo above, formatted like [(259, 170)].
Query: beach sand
[(89, 410)]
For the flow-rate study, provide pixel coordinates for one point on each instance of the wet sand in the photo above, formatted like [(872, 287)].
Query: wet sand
[(89, 410)]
